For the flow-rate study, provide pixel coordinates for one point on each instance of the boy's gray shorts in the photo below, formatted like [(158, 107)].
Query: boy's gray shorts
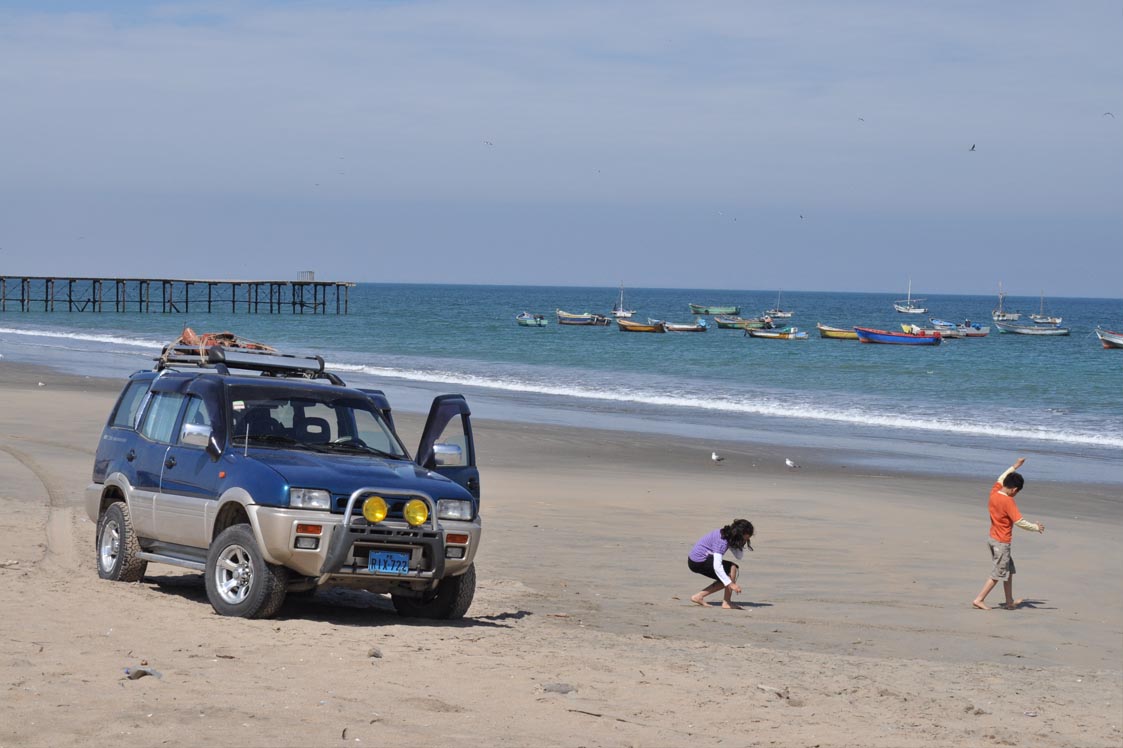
[(1003, 561)]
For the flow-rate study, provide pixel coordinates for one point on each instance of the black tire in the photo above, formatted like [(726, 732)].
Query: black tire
[(449, 601), (117, 547), (239, 581)]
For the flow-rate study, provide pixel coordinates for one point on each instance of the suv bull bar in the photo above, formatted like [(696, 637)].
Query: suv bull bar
[(426, 535)]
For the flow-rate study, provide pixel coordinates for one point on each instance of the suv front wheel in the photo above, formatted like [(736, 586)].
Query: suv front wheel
[(117, 546), (239, 580), (449, 601)]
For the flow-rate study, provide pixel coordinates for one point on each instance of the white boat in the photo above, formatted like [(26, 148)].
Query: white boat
[(779, 311), (1042, 318), (618, 309), (1109, 339), (1031, 329), (965, 329), (1000, 314), (909, 305)]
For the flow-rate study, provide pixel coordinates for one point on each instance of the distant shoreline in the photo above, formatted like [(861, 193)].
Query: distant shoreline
[(889, 458)]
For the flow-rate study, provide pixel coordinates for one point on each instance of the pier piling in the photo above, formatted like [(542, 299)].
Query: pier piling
[(86, 294)]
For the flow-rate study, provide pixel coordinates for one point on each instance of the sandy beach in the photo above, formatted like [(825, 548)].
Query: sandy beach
[(856, 629)]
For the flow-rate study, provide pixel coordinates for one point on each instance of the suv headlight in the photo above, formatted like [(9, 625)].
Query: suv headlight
[(454, 509), (309, 498)]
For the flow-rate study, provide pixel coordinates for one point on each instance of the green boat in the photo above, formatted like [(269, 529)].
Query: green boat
[(703, 309)]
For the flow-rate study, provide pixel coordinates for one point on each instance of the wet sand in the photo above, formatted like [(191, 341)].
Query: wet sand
[(856, 628)]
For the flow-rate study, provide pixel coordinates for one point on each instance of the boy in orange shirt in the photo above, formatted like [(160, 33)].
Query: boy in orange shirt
[(1004, 515)]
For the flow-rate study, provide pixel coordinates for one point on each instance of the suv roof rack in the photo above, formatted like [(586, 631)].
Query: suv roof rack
[(222, 359)]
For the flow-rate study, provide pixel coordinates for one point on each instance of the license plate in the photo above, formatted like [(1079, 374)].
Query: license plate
[(388, 562)]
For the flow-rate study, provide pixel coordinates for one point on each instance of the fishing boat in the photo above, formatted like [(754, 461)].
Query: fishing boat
[(973, 329), (871, 335), (654, 325), (787, 333), (526, 319), (1000, 314), (944, 332), (708, 309), (1013, 329), (587, 319), (836, 333), (1110, 339), (1041, 318), (729, 322), (619, 310), (698, 325), (779, 311), (909, 305)]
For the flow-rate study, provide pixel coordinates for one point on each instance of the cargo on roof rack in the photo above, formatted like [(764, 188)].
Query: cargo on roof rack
[(224, 351)]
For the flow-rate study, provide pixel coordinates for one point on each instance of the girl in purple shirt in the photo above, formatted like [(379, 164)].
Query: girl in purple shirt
[(706, 559)]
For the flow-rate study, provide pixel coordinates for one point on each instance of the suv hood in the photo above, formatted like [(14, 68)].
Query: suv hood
[(344, 474)]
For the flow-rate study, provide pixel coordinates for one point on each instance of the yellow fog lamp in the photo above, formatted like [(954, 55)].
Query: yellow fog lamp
[(375, 509), (416, 512)]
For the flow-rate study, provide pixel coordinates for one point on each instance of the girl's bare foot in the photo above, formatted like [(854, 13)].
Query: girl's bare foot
[(980, 605), (697, 599), (730, 606), (1013, 604)]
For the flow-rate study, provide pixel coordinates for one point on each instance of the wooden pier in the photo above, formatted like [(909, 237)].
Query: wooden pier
[(172, 295)]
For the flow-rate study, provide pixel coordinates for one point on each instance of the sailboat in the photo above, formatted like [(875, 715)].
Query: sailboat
[(779, 310), (910, 305), (1042, 318), (618, 310), (1000, 314)]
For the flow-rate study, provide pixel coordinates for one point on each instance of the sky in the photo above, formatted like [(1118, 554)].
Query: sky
[(738, 145)]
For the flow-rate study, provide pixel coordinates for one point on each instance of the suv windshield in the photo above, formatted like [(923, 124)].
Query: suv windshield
[(318, 420)]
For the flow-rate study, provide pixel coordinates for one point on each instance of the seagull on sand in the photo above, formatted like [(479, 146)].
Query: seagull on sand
[(790, 463), (716, 457)]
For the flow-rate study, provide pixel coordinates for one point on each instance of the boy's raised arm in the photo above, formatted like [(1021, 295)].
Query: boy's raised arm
[(1020, 461)]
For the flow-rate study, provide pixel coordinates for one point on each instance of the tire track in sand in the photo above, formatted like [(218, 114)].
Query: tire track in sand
[(60, 542)]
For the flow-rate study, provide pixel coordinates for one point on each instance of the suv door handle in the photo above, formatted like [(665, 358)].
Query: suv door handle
[(131, 455), (170, 462)]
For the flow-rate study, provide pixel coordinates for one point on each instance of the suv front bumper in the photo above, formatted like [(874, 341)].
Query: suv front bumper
[(344, 544)]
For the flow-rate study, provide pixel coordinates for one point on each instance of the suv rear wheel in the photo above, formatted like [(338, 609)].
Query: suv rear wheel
[(117, 546), (450, 600), (239, 581)]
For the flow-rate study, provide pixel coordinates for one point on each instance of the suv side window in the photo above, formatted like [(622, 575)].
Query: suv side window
[(197, 413), (159, 419), (125, 414)]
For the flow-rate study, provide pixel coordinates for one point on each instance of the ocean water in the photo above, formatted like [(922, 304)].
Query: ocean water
[(964, 407)]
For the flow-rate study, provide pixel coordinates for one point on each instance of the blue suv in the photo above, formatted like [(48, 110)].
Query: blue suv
[(269, 475)]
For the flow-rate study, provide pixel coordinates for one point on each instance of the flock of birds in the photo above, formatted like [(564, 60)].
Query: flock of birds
[(717, 459)]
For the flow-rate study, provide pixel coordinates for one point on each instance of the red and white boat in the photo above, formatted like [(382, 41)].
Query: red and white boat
[(1110, 339)]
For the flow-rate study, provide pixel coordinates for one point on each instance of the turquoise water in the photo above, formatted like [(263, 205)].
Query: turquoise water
[(1057, 396)]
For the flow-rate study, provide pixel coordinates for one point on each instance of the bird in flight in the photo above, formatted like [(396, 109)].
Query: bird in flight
[(861, 119), (790, 463), (1109, 114), (488, 142), (716, 457), (972, 147)]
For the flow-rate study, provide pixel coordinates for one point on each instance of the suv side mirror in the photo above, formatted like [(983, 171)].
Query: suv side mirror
[(195, 435), (448, 455)]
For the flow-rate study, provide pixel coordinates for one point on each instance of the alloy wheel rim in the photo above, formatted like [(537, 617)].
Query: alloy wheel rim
[(233, 574), (110, 546)]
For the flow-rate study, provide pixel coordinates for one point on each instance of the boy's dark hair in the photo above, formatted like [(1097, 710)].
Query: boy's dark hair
[(738, 533), (1014, 480)]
